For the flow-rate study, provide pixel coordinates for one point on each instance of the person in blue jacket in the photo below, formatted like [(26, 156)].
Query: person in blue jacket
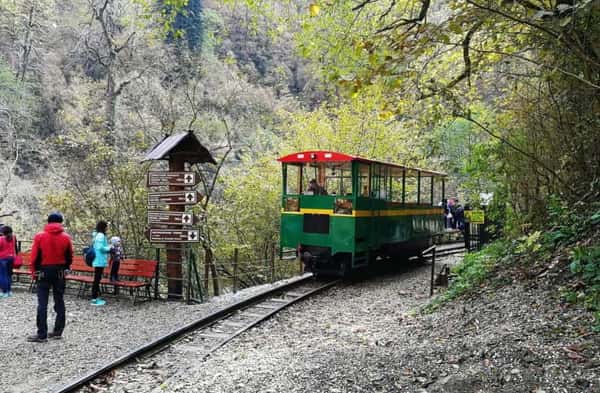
[(102, 250)]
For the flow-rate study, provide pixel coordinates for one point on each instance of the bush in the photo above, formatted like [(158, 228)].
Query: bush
[(473, 271), (585, 262)]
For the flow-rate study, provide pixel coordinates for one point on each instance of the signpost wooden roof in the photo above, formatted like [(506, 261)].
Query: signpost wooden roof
[(182, 146)]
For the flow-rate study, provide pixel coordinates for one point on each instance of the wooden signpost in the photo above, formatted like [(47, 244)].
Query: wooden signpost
[(174, 235), (162, 178), (174, 198), (174, 226), (171, 218)]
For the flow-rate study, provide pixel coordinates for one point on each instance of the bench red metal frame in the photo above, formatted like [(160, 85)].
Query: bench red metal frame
[(134, 274)]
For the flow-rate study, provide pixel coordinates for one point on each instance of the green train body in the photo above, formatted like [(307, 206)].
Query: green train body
[(364, 210)]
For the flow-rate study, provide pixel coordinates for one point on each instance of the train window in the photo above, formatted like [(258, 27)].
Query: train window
[(425, 190), (343, 206), (312, 171), (438, 190), (378, 182), (292, 186), (396, 185), (338, 179), (363, 180), (385, 191), (292, 205), (410, 189)]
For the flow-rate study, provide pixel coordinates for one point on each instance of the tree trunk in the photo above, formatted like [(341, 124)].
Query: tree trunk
[(26, 46), (215, 278), (210, 264), (110, 108)]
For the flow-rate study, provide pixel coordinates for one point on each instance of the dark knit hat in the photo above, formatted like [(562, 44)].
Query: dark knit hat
[(55, 217)]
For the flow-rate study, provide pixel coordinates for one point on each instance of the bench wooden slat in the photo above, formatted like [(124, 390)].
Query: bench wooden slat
[(135, 273)]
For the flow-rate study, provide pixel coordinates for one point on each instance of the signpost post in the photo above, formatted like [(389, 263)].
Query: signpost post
[(176, 189)]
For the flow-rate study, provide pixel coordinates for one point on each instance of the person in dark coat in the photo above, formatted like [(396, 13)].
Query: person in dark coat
[(316, 188), (51, 256), (459, 216)]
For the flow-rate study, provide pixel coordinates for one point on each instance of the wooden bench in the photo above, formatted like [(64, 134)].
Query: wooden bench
[(134, 274), (23, 271)]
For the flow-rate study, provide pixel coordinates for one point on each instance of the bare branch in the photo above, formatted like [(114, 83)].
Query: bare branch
[(404, 22), (466, 74), (363, 4), (467, 116), (9, 214), (125, 44)]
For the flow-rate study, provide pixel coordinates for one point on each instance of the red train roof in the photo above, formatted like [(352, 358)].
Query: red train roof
[(331, 156)]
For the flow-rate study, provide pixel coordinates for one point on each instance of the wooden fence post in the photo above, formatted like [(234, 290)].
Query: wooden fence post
[(235, 270), (432, 272), (467, 235), (273, 262), (188, 290)]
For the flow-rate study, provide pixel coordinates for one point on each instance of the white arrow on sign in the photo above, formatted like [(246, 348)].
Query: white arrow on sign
[(186, 218), (190, 197), (193, 235), (190, 178)]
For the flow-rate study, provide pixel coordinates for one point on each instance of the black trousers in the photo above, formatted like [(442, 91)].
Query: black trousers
[(114, 270), (96, 284), (50, 278)]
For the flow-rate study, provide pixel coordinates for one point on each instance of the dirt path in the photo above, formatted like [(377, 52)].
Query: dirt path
[(365, 338)]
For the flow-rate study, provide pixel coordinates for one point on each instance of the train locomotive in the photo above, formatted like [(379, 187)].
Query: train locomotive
[(342, 212)]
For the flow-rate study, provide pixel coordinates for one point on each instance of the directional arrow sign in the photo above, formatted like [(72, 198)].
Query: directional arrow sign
[(160, 178), (174, 235), (174, 198), (172, 218)]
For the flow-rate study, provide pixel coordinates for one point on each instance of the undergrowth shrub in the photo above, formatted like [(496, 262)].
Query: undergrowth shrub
[(585, 263), (473, 271), (570, 230)]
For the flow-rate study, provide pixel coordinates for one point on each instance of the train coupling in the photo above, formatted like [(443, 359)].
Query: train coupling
[(309, 261)]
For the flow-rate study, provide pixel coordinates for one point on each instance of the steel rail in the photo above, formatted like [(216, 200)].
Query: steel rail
[(269, 315), (201, 323), (274, 310)]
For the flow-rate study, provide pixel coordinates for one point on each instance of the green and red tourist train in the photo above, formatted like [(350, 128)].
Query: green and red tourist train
[(341, 212)]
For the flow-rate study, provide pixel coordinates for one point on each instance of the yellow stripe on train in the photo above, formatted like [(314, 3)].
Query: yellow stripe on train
[(370, 213)]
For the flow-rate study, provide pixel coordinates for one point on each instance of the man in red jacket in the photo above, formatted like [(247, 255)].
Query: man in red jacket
[(51, 255)]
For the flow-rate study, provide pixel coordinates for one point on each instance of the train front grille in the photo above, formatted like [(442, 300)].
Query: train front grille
[(316, 223)]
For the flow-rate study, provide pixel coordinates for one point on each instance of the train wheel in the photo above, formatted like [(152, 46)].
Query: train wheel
[(346, 267)]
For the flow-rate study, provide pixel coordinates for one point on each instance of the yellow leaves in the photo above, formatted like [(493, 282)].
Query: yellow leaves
[(385, 115), (361, 125), (314, 9)]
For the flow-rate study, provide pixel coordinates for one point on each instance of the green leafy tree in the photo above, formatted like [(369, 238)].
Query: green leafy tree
[(360, 125)]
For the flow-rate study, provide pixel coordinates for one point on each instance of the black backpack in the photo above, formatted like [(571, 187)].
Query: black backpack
[(89, 254)]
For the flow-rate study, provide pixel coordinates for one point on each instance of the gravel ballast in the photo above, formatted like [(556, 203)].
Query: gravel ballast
[(357, 337), (93, 335), (364, 337)]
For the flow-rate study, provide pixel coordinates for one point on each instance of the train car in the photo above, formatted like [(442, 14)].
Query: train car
[(342, 212)]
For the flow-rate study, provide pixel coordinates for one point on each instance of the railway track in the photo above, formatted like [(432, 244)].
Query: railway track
[(443, 250), (206, 335)]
